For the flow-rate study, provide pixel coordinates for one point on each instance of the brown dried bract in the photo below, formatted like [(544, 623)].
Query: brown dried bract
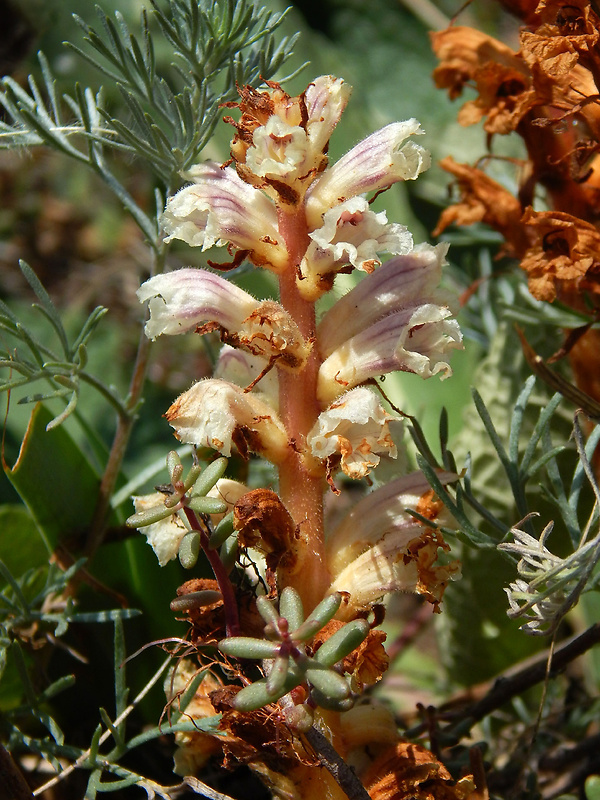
[(431, 580), (260, 736), (367, 664), (208, 621), (410, 772), (484, 200), (263, 522)]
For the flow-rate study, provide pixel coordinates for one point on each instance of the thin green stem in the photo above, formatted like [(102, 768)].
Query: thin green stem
[(120, 407), (121, 438)]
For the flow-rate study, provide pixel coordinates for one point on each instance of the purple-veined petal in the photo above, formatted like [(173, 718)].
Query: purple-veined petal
[(182, 300), (395, 564), (219, 208), (326, 98), (403, 281), (411, 340), (383, 511), (377, 162)]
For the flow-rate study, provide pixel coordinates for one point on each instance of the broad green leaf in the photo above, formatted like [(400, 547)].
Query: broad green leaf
[(20, 546), (54, 479)]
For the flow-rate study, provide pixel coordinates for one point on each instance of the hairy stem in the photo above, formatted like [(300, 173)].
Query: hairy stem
[(232, 621), (300, 492)]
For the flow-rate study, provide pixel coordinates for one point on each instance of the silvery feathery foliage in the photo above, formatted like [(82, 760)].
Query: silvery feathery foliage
[(548, 586), (170, 113)]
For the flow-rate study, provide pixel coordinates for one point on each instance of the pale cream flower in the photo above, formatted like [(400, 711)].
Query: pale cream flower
[(377, 162), (384, 511), (165, 535), (220, 208), (351, 235), (355, 431), (217, 414), (395, 564), (402, 282), (182, 300), (411, 340), (197, 300)]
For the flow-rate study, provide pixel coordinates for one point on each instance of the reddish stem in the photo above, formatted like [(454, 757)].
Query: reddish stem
[(232, 620), (300, 492)]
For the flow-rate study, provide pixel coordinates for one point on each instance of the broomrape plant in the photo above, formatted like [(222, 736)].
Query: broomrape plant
[(298, 502), (304, 404)]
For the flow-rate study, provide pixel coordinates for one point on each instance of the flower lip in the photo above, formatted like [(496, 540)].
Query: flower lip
[(217, 414), (411, 340), (354, 429), (351, 235)]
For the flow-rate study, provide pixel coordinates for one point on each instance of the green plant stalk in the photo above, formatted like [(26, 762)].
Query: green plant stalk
[(125, 424)]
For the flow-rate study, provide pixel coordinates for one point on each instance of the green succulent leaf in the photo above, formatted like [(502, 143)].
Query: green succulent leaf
[(343, 642), (321, 615), (189, 550), (290, 607), (247, 647), (331, 684)]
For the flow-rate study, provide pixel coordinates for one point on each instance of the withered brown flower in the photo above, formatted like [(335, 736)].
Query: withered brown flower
[(564, 259), (410, 772), (502, 79), (367, 663), (484, 200), (263, 522)]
